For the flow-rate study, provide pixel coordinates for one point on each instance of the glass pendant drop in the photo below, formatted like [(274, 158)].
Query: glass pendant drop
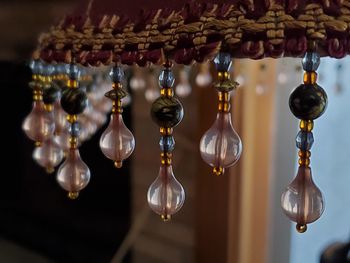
[(117, 142), (39, 124), (302, 201), (48, 155), (165, 195), (73, 175), (220, 146)]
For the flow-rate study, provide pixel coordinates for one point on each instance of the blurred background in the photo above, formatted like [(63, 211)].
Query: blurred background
[(232, 218)]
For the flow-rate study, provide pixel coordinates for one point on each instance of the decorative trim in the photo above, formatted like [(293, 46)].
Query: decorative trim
[(199, 31)]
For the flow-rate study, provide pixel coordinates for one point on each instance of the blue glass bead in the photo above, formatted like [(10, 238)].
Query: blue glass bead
[(74, 129), (36, 66), (116, 74), (311, 61), (167, 143), (61, 68), (304, 140), (48, 69), (223, 61), (73, 71), (166, 78)]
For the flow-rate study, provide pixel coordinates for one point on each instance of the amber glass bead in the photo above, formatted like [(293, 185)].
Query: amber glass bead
[(310, 77), (304, 162)]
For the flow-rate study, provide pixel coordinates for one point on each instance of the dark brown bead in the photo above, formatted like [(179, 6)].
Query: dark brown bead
[(74, 101), (308, 101), (167, 112)]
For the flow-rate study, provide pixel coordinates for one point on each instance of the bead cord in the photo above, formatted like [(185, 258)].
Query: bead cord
[(115, 95), (307, 102), (68, 100), (167, 112), (168, 92)]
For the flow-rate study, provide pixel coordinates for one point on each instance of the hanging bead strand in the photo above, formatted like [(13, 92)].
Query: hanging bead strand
[(49, 154), (117, 142), (166, 195), (39, 124), (302, 201), (73, 175), (220, 146)]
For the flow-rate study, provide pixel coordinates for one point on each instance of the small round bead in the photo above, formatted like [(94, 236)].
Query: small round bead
[(74, 101), (73, 195), (301, 228), (167, 111), (166, 78), (165, 217), (304, 140), (306, 125), (167, 143), (223, 61), (308, 102), (116, 74), (218, 171), (311, 61), (310, 77), (74, 129)]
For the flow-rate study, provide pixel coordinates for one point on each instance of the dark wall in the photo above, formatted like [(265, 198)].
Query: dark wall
[(34, 210)]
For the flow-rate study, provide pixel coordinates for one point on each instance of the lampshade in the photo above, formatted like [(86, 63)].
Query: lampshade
[(144, 33)]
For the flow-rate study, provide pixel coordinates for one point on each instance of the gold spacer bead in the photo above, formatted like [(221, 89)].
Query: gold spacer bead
[(50, 170), (301, 228), (218, 171), (117, 85), (223, 75), (224, 107), (37, 97), (168, 92), (304, 162), (165, 217), (46, 79), (165, 131), (72, 83), (304, 154), (118, 164), (310, 77), (37, 144), (36, 77), (48, 107), (306, 125), (73, 195), (72, 118), (73, 142)]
